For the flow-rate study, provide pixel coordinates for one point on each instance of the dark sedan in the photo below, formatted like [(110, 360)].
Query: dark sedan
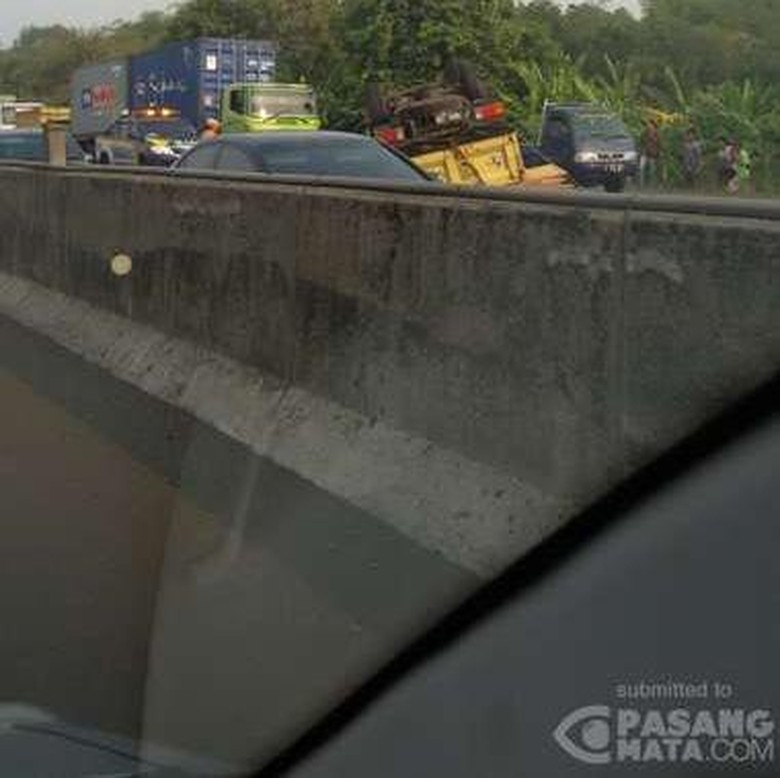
[(321, 153)]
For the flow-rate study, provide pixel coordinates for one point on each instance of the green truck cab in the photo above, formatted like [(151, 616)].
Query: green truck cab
[(256, 107)]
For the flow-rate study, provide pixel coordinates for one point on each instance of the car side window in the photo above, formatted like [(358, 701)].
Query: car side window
[(203, 157), (233, 158), (557, 129), (556, 138), (238, 102)]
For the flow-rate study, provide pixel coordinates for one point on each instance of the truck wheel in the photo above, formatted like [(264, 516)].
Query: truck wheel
[(104, 159), (463, 74), (615, 184), (88, 150), (376, 107)]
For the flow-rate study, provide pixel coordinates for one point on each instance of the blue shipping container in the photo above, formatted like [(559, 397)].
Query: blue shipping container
[(190, 77)]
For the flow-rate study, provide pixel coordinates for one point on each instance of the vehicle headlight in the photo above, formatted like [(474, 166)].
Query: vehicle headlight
[(586, 156), (162, 150)]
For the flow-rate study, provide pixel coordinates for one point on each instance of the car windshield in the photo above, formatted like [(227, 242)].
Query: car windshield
[(598, 125), (336, 158), (266, 106)]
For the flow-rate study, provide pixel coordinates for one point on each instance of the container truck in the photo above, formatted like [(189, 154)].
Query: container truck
[(147, 108)]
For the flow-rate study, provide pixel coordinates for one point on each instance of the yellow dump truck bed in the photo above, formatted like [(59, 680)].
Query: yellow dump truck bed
[(495, 161)]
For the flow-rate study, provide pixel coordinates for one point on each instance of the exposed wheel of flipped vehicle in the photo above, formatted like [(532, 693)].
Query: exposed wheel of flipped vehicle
[(463, 73), (615, 184), (376, 106)]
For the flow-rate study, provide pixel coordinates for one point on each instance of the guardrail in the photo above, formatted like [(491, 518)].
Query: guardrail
[(726, 207)]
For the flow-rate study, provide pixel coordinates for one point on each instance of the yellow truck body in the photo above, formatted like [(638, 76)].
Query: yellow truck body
[(493, 161)]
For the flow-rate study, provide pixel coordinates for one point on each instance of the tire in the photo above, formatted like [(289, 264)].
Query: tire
[(615, 184), (104, 159), (376, 107), (463, 74), (88, 150)]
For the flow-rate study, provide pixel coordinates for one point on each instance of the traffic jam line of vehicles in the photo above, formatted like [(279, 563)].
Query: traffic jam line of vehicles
[(149, 109)]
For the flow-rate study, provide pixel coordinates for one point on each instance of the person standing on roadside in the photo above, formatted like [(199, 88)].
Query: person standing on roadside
[(727, 164), (211, 129), (651, 154), (743, 166), (692, 157)]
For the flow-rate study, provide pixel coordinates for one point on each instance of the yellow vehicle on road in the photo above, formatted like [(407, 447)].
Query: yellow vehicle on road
[(492, 161), (28, 114), (458, 132)]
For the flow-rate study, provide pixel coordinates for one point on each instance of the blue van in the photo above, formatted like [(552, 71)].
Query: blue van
[(589, 142)]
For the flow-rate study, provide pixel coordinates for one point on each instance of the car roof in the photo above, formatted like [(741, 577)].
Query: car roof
[(258, 140), (16, 131), (573, 104), (575, 108)]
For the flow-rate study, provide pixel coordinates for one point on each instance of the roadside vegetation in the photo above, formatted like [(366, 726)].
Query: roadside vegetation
[(713, 64)]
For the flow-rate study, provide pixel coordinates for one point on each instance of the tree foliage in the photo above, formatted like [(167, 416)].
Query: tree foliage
[(42, 59), (221, 19)]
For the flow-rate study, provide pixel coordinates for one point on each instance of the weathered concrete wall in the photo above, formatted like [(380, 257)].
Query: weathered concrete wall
[(553, 343), (458, 374), (125, 517)]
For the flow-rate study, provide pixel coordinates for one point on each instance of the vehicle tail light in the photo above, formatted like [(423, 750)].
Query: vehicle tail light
[(390, 135), (489, 111)]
